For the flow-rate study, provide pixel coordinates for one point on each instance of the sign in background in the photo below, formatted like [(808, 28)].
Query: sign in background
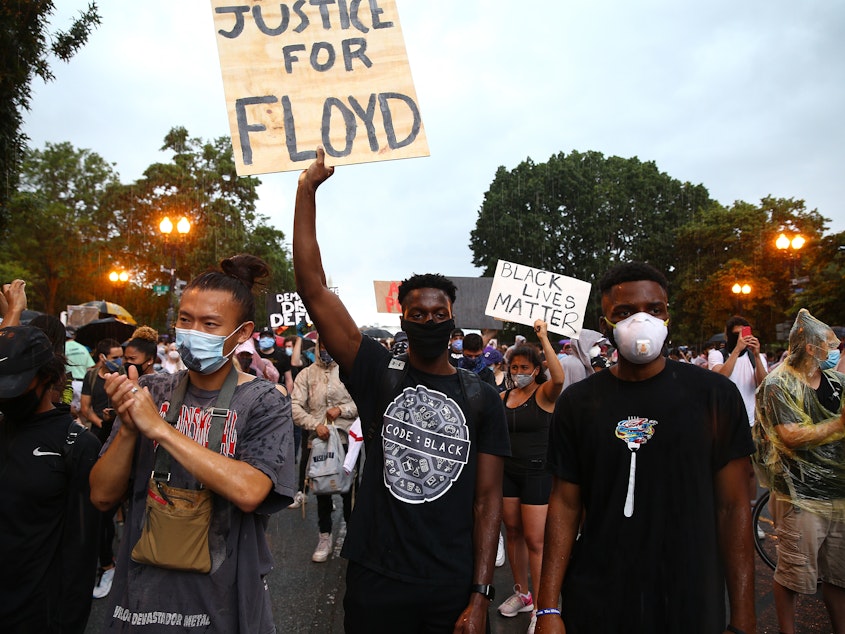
[(301, 74), (286, 309), (523, 294), (469, 306)]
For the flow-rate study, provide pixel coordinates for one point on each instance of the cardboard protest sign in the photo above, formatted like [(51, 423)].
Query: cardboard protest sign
[(469, 306), (523, 294), (301, 74)]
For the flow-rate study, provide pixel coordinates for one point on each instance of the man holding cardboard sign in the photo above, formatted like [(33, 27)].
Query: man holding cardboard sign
[(421, 542)]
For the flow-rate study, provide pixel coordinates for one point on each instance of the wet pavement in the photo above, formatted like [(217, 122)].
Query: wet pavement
[(308, 597)]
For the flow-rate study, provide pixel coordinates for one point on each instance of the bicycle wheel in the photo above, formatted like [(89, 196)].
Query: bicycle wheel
[(765, 537)]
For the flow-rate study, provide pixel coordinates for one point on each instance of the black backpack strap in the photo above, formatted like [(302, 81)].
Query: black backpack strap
[(471, 387), (391, 381), (74, 429), (219, 412)]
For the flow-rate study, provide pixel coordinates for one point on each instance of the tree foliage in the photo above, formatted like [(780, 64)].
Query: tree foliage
[(73, 223), (578, 214), (26, 46)]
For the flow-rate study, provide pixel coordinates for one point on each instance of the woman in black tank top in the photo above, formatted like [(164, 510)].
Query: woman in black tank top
[(526, 484)]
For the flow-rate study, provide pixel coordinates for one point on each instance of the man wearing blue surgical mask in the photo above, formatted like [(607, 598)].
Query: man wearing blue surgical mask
[(268, 349), (627, 447)]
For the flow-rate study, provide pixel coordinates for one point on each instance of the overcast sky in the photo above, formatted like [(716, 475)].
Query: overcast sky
[(746, 98)]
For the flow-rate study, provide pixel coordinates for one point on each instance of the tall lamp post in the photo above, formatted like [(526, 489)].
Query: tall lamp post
[(739, 290), (792, 246), (118, 278), (182, 229)]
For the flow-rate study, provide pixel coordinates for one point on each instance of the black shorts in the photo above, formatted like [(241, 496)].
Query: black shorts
[(531, 487)]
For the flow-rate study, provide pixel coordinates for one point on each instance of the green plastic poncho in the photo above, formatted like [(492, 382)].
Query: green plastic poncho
[(800, 444)]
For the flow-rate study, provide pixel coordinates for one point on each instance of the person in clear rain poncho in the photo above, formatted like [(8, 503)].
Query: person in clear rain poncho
[(800, 438)]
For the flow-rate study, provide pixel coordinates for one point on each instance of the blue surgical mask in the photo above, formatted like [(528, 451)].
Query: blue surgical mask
[(113, 365), (265, 343), (289, 352), (202, 352), (831, 361)]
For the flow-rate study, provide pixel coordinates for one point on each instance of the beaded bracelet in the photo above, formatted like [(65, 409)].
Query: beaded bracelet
[(545, 611)]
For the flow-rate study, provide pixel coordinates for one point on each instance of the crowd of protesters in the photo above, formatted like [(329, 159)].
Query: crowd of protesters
[(618, 465)]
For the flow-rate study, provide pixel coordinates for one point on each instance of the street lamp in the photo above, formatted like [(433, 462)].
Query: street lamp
[(792, 246), (166, 228), (739, 290), (118, 278)]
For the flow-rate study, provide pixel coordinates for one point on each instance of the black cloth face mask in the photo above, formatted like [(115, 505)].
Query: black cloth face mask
[(21, 409), (428, 340)]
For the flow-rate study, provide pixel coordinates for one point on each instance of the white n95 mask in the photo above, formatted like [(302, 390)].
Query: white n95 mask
[(639, 338)]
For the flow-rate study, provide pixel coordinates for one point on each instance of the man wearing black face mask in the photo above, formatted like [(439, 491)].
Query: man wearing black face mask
[(421, 542), (48, 526)]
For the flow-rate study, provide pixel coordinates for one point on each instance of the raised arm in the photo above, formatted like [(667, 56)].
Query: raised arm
[(337, 329), (549, 390)]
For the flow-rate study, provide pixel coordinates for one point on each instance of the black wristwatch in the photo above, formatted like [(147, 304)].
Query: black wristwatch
[(487, 590)]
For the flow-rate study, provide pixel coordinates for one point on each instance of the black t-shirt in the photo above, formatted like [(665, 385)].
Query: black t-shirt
[(280, 360), (48, 526), (413, 518), (94, 385), (658, 570)]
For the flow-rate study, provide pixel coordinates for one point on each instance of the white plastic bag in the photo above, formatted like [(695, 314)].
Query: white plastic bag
[(325, 467)]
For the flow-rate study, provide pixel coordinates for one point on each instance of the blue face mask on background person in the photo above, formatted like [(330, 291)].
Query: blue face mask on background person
[(831, 361), (113, 365), (202, 352), (265, 343)]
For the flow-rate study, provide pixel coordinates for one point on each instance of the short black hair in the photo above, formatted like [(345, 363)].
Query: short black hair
[(473, 342), (733, 322), (427, 280), (632, 272)]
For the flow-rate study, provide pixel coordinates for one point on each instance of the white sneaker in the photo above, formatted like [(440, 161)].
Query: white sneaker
[(516, 603), (298, 500), (533, 622), (104, 586), (324, 547), (500, 552)]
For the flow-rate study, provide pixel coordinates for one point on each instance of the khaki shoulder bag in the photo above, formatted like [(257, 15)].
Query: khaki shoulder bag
[(176, 521)]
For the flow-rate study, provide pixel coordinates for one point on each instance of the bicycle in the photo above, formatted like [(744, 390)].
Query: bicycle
[(763, 526)]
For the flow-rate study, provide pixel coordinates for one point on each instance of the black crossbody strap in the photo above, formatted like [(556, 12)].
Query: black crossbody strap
[(219, 412)]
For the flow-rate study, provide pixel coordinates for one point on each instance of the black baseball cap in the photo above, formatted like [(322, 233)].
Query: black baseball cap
[(23, 350)]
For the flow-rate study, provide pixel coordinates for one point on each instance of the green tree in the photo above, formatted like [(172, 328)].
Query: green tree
[(201, 184), (721, 246), (56, 225), (26, 46), (73, 222), (578, 214), (823, 294)]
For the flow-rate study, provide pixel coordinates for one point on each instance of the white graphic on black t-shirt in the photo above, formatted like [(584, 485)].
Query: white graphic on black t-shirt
[(634, 432), (426, 444)]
